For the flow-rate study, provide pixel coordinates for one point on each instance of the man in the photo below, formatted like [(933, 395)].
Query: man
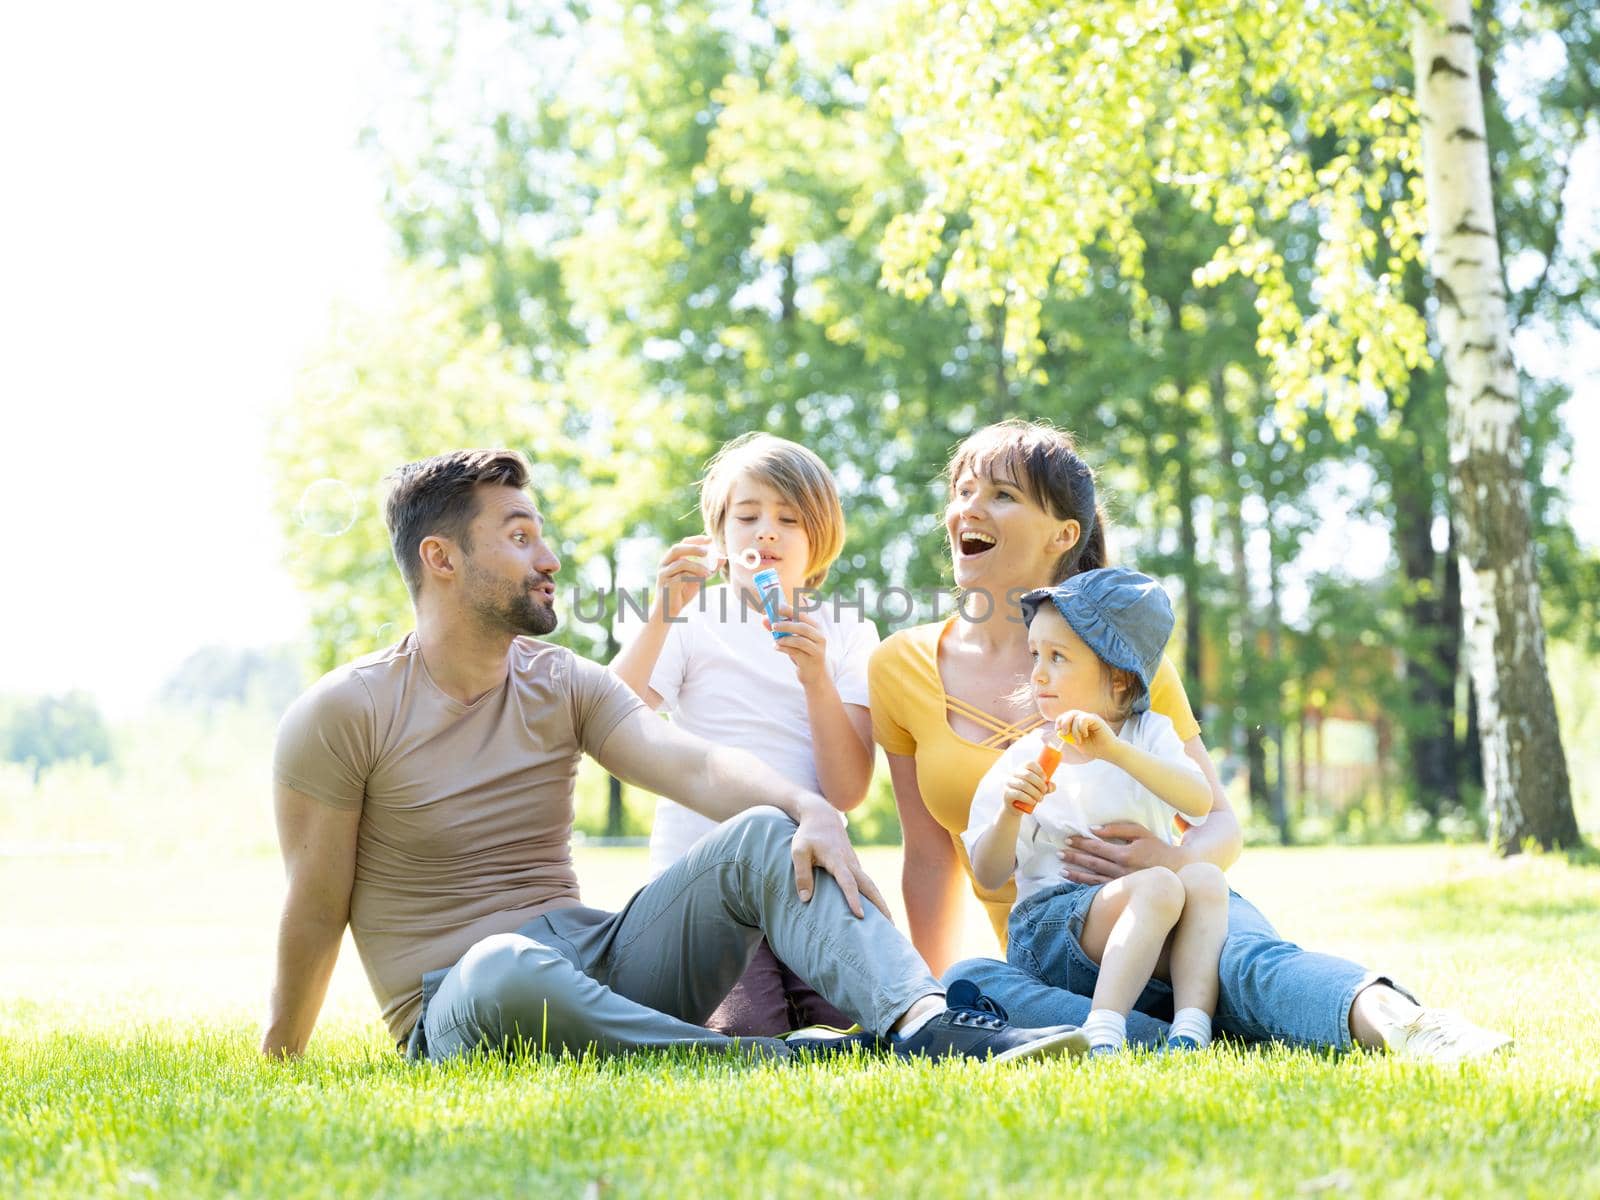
[(424, 798)]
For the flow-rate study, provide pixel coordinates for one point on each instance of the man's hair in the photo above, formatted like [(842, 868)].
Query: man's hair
[(437, 497), (792, 471)]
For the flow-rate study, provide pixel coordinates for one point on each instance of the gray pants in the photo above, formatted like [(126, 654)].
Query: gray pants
[(578, 978)]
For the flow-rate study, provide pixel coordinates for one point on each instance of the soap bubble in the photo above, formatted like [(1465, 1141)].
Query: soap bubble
[(327, 508), (385, 634)]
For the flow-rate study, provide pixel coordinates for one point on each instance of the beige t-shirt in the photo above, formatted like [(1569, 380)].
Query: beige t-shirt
[(466, 810)]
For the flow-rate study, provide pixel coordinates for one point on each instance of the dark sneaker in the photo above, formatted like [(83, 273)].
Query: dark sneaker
[(974, 1026), (828, 1039), (1182, 1045)]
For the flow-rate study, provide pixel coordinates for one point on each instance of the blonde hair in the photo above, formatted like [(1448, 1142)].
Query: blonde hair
[(792, 471)]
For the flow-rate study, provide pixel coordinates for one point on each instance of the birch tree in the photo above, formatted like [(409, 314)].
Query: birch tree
[(1525, 770)]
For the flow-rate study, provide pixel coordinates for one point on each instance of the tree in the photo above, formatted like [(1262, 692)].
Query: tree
[(221, 675), (1046, 130), (56, 729), (1525, 770)]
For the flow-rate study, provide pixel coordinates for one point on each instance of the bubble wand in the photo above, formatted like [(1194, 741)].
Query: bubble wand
[(768, 586), (1049, 759)]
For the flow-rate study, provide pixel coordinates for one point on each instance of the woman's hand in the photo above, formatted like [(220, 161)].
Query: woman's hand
[(1027, 787), (1118, 849), (806, 645), (1088, 731), (685, 568)]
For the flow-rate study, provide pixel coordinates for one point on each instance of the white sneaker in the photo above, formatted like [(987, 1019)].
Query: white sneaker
[(1439, 1035)]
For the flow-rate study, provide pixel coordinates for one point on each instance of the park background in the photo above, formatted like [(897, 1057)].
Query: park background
[(259, 260)]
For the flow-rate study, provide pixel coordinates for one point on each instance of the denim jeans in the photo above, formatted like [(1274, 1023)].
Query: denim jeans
[(577, 979), (1271, 989)]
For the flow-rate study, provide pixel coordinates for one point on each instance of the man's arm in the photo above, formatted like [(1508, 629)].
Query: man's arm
[(720, 782), (319, 854)]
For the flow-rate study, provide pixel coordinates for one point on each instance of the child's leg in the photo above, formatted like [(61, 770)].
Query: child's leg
[(1124, 932), (1196, 950)]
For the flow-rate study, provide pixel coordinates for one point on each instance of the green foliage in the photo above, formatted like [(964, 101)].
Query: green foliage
[(1048, 130), (55, 729)]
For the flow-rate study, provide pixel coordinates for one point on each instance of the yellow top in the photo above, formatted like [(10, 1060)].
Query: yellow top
[(910, 716)]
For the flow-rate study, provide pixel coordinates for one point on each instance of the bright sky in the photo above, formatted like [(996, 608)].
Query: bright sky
[(183, 202)]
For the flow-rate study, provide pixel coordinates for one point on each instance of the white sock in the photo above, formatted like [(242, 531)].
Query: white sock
[(1194, 1023), (1106, 1028), (914, 1024)]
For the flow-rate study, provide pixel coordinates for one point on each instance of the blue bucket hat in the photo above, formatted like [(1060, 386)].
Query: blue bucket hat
[(1123, 616)]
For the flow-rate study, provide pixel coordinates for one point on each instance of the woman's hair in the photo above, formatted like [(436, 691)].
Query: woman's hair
[(1045, 462), (796, 474)]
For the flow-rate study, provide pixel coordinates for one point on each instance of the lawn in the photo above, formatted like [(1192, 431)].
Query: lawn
[(131, 989)]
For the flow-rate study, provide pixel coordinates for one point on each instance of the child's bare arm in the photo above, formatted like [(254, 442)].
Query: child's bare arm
[(635, 662), (1180, 786), (683, 571), (1183, 787), (994, 856)]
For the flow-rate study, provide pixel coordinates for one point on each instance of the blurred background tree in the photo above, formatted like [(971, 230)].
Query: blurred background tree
[(48, 730)]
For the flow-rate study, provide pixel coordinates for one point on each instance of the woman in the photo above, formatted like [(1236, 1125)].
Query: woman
[(1022, 514)]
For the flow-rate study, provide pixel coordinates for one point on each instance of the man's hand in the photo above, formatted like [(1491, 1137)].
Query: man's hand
[(1118, 849), (821, 842)]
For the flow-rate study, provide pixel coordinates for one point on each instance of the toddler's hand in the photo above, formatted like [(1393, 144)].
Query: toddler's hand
[(1027, 787), (1088, 731)]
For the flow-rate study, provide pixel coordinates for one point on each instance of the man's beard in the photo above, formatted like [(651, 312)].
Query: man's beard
[(530, 615), (517, 610)]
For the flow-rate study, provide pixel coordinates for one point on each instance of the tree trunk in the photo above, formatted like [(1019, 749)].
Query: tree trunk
[(1525, 771), (1189, 547), (997, 339), (1242, 640), (614, 810), (1278, 793), (1430, 659)]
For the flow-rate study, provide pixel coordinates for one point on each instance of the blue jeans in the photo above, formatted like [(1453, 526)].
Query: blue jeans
[(1271, 990)]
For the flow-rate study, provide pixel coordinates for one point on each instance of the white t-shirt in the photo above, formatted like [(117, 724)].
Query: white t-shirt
[(721, 677), (1088, 793)]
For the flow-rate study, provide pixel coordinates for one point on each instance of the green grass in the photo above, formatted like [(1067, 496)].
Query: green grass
[(130, 989)]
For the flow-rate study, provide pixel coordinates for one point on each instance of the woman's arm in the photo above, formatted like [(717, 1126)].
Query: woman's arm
[(931, 877), (1220, 839)]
